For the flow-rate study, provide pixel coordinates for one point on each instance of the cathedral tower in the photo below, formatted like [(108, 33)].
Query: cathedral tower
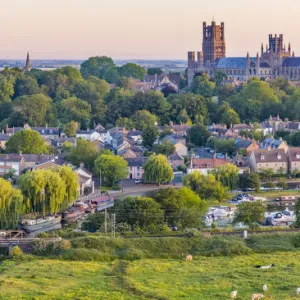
[(213, 44)]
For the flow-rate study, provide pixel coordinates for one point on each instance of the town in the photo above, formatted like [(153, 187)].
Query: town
[(116, 176)]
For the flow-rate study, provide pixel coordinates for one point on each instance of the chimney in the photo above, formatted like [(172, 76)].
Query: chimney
[(81, 165)]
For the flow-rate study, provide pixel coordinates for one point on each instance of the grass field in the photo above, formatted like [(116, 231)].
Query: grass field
[(276, 194), (203, 278)]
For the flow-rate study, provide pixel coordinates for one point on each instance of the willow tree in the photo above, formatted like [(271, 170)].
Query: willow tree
[(10, 205), (46, 191), (158, 170), (228, 175), (71, 181)]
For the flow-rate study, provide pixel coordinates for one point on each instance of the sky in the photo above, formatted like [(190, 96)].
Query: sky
[(139, 29)]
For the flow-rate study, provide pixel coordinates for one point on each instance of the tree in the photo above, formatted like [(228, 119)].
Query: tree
[(143, 119), (72, 73), (125, 122), (294, 139), (250, 213), (219, 77), (158, 170), (297, 211), (26, 85), (249, 180), (44, 191), (198, 135), (203, 86), (96, 66), (85, 152), (149, 136), (113, 168), (125, 82), (207, 187), (228, 175), (26, 142), (225, 146), (6, 87), (165, 147), (153, 71), (70, 129), (74, 109), (194, 106), (282, 184), (182, 208), (93, 222), (227, 115), (71, 181), (32, 109), (143, 212), (132, 70), (256, 101), (11, 202)]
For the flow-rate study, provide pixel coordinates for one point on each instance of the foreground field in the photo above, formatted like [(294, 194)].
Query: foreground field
[(203, 278)]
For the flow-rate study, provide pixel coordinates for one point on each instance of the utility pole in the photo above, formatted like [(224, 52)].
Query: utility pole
[(105, 221), (100, 182), (113, 225)]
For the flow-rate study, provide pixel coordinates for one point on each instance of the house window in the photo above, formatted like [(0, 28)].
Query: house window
[(138, 174)]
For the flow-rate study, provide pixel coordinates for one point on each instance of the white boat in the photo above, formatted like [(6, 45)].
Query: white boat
[(31, 225), (285, 217)]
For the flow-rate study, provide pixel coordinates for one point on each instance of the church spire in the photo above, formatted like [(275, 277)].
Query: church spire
[(27, 66)]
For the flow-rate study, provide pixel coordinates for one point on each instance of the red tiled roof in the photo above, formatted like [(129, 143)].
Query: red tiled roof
[(204, 163)]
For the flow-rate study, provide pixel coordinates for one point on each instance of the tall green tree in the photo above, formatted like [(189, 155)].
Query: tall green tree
[(143, 212), (228, 175), (96, 66), (132, 70), (158, 170), (11, 205), (182, 208), (26, 85), (26, 142), (250, 213), (249, 180), (206, 186), (71, 180), (71, 128), (149, 136), (203, 86), (85, 152), (198, 135), (143, 119), (74, 109), (113, 168), (6, 87), (227, 115), (165, 147), (32, 109)]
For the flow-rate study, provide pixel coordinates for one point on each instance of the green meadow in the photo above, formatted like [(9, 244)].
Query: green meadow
[(203, 278)]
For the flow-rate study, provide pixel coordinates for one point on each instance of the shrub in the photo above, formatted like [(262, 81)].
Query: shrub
[(16, 252), (48, 248)]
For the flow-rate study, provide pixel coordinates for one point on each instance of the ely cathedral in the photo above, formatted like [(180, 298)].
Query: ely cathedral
[(275, 60)]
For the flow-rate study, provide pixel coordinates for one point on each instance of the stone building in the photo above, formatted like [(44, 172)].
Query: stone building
[(275, 60)]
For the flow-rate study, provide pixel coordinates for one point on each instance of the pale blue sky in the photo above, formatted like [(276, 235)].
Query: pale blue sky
[(139, 28)]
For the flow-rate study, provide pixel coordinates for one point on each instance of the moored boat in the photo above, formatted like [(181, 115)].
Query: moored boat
[(32, 225), (75, 212)]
